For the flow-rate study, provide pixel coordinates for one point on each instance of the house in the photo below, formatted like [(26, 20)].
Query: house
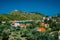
[(44, 18), (22, 25), (46, 25), (57, 21), (15, 24), (54, 20), (3, 22), (41, 29), (59, 34)]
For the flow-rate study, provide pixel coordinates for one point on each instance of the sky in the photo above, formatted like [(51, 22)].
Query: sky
[(46, 7)]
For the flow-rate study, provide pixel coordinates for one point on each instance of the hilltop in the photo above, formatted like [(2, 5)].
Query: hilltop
[(20, 15)]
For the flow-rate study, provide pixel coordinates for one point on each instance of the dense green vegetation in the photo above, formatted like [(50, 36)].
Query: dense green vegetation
[(18, 15), (12, 33), (8, 32)]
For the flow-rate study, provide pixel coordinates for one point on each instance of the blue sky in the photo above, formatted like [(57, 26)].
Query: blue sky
[(47, 7)]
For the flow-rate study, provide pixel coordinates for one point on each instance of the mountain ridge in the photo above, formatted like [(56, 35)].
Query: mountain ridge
[(21, 15)]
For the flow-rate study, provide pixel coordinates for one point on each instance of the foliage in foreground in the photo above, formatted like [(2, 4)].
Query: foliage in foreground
[(13, 33)]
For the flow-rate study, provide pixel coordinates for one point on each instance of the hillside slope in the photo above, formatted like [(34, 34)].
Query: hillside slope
[(19, 15)]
